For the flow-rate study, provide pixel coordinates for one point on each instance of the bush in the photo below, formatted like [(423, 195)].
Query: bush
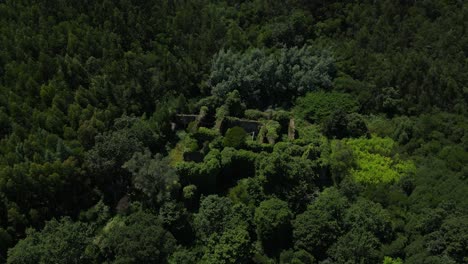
[(193, 126), (256, 146), (281, 116), (273, 128), (235, 137), (254, 114), (205, 134), (340, 125), (273, 225), (317, 106)]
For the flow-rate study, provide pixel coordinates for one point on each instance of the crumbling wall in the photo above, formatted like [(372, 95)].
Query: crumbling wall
[(250, 126), (291, 129)]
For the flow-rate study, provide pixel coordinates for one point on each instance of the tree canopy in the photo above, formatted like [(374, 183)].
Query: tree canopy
[(231, 131)]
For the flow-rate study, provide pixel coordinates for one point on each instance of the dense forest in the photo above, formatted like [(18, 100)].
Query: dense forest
[(224, 131)]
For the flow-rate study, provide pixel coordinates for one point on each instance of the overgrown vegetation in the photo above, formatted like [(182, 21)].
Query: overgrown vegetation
[(320, 131)]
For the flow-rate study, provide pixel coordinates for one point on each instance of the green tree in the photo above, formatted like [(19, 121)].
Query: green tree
[(389, 260), (317, 106), (296, 257), (235, 137), (213, 216), (356, 246), (376, 162), (136, 238), (110, 152), (340, 125), (154, 177), (370, 216), (273, 225), (450, 239), (176, 219), (59, 242), (289, 177), (248, 191), (321, 224), (341, 160), (232, 246), (184, 255), (270, 78)]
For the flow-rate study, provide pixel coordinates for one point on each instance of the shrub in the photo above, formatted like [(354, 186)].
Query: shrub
[(205, 134), (235, 137), (254, 114), (273, 128), (317, 106)]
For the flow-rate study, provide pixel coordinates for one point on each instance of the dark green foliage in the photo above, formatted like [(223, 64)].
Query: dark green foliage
[(224, 229), (356, 126), (152, 176), (204, 134), (138, 237), (106, 158), (291, 178), (371, 217), (233, 246), (340, 125), (61, 241), (255, 114), (176, 219), (213, 216), (318, 106), (203, 175), (89, 131), (269, 132), (273, 225), (335, 125), (237, 164), (297, 257), (98, 214), (451, 239), (357, 246), (321, 224), (33, 192), (341, 160), (263, 77), (5, 241), (234, 104), (190, 196), (183, 255), (235, 137), (247, 191)]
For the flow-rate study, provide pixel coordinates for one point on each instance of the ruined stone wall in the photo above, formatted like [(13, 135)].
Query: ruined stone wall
[(248, 125)]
